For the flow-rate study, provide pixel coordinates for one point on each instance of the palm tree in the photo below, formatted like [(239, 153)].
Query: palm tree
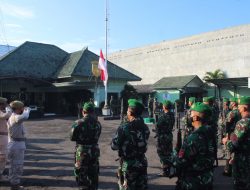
[(217, 74)]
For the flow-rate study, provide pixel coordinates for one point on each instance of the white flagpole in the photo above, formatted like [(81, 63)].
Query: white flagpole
[(106, 95), (106, 45)]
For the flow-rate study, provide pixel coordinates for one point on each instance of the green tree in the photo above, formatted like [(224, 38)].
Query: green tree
[(217, 74)]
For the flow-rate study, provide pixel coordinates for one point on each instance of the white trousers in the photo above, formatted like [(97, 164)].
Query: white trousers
[(16, 159), (3, 152)]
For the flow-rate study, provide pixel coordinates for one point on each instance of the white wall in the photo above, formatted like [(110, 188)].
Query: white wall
[(113, 87), (227, 50)]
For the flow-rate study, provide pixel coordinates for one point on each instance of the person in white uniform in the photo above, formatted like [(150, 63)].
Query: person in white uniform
[(5, 113), (16, 142)]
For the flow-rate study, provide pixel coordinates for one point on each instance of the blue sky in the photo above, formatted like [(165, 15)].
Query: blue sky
[(74, 24)]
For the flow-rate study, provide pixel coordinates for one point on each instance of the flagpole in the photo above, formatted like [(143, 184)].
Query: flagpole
[(106, 50)]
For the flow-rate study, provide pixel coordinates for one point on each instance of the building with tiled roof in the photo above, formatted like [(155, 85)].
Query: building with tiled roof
[(48, 76)]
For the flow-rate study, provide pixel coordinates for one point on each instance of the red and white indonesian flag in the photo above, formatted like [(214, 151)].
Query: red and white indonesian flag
[(102, 65)]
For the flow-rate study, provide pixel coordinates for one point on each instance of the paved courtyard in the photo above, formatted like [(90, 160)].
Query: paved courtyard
[(49, 158)]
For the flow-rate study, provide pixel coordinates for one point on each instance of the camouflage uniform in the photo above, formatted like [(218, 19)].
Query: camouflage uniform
[(239, 144), (213, 123), (86, 132), (131, 142), (188, 128), (164, 136), (222, 127), (156, 109), (150, 106), (188, 124), (214, 119), (232, 118), (222, 124), (194, 162)]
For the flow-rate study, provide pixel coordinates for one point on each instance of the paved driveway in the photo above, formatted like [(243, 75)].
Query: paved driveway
[(49, 158)]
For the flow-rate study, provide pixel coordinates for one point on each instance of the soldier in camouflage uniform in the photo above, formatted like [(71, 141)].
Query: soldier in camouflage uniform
[(156, 109), (232, 118), (187, 121), (194, 162), (213, 122), (164, 136), (222, 119), (150, 106), (86, 132), (222, 125), (239, 144), (131, 141)]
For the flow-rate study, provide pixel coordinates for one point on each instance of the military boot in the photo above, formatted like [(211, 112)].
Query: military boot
[(165, 172), (228, 169), (3, 178)]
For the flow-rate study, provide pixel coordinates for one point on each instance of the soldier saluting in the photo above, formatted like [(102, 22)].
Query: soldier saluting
[(131, 141), (239, 144), (4, 116), (16, 144), (86, 132)]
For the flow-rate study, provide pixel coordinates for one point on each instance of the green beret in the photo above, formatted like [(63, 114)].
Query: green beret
[(193, 105), (244, 100), (3, 100), (167, 103), (225, 100), (212, 97), (16, 104), (192, 99), (208, 99), (233, 100), (205, 99), (133, 103), (88, 106), (201, 108)]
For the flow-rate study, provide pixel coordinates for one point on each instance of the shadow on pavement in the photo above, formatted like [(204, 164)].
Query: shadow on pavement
[(161, 187), (48, 182), (44, 140)]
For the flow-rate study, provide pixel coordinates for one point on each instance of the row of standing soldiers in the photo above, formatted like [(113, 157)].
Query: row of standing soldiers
[(229, 127), (193, 163)]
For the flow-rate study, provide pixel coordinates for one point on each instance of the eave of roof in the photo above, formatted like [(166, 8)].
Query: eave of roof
[(175, 82), (230, 82)]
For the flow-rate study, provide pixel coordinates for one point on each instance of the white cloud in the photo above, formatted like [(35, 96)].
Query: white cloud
[(16, 11)]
